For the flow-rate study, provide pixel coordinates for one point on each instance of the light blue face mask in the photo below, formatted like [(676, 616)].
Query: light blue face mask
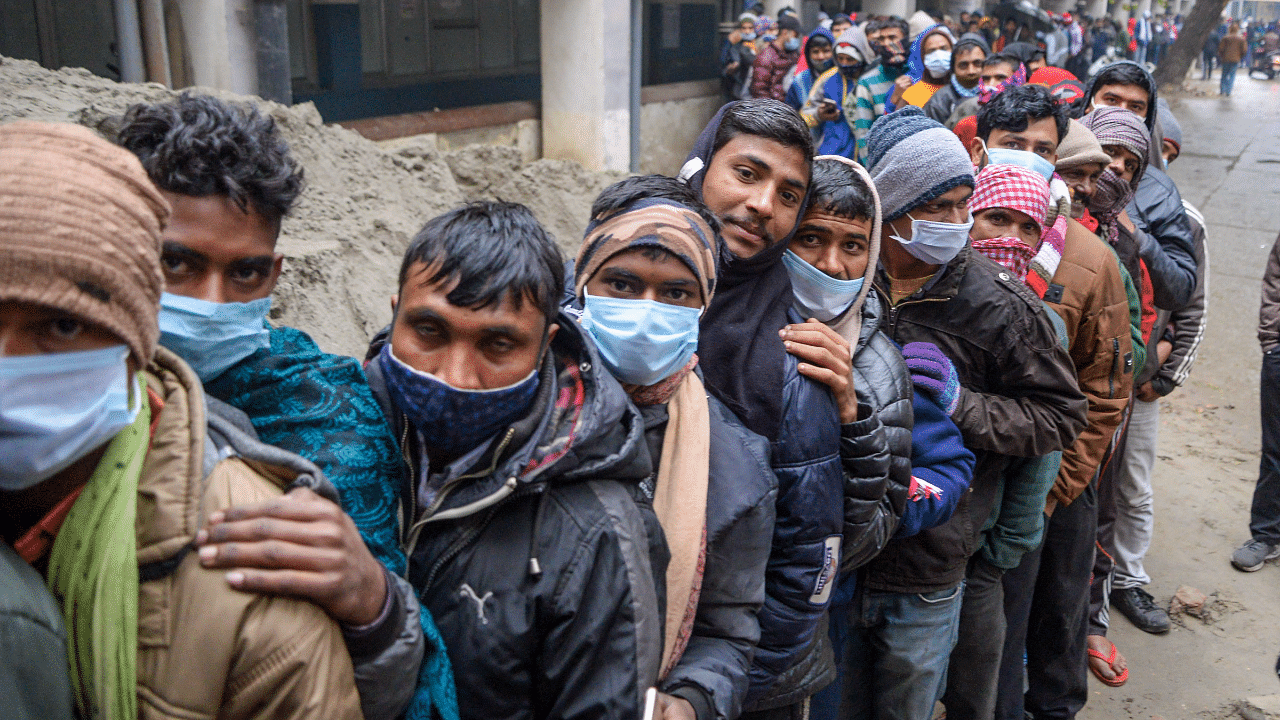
[(1021, 158), (791, 44), (818, 295), (211, 336), (933, 242), (58, 407), (641, 341)]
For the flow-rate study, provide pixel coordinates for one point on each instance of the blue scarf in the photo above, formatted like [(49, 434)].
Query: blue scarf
[(961, 90)]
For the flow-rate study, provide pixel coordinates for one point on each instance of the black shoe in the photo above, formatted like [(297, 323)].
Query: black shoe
[(1138, 605)]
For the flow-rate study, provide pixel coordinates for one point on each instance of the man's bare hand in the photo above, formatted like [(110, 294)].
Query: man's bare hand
[(1147, 393), (671, 707), (826, 357), (900, 86), (828, 111), (298, 544)]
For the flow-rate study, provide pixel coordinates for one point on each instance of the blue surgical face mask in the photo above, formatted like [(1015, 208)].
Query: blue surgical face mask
[(1021, 158), (791, 44), (748, 36), (211, 336), (936, 243), (641, 341), (818, 295), (452, 419), (58, 407), (938, 63)]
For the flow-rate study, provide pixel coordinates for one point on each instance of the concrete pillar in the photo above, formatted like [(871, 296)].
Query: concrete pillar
[(222, 45), (1095, 9), (586, 88)]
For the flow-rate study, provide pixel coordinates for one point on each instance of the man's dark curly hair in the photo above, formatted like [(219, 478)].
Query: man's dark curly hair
[(199, 145)]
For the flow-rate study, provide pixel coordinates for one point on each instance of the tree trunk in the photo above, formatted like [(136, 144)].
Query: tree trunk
[(1204, 17)]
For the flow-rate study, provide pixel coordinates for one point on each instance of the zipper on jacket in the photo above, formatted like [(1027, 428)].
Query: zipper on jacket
[(1115, 366), (507, 488), (472, 533), (893, 312)]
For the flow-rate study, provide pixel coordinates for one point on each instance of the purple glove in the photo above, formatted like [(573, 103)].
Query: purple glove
[(932, 373)]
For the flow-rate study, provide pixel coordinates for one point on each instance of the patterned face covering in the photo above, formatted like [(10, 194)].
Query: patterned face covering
[(450, 419), (1010, 252), (1108, 200), (985, 92)]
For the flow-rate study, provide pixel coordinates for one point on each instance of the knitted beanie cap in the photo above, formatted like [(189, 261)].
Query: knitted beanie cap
[(1080, 147), (80, 226), (913, 160)]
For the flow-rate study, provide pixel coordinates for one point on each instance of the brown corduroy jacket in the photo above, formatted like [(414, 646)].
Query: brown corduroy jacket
[(204, 649), (1088, 292)]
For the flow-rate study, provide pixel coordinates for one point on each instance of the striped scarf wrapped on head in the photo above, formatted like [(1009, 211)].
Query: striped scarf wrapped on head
[(1116, 127)]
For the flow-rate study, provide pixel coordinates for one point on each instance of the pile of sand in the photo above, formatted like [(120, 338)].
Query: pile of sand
[(362, 204)]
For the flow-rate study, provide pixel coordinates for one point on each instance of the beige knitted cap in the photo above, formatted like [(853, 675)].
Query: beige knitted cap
[(1080, 147), (80, 226)]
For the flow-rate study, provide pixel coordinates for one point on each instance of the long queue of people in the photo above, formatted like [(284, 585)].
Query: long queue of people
[(831, 425)]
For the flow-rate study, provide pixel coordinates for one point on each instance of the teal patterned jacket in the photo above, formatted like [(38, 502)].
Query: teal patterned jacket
[(319, 406)]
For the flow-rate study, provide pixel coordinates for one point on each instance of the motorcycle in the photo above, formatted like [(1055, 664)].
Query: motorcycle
[(1267, 64)]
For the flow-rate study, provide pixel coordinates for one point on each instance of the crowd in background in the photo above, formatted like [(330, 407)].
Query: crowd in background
[(855, 415)]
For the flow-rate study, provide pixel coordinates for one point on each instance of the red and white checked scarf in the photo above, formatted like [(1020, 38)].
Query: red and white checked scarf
[(1014, 188), (1010, 252)]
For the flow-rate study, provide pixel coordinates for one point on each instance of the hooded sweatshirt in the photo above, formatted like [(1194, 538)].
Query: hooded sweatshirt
[(803, 82), (835, 137), (924, 87)]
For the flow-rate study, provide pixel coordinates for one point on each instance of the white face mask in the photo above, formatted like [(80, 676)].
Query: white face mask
[(818, 295), (58, 407), (938, 63), (936, 243)]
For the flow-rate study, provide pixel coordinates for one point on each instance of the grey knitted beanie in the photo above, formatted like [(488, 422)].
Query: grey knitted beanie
[(914, 159)]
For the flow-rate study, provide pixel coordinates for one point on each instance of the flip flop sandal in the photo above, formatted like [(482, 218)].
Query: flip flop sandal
[(1119, 679)]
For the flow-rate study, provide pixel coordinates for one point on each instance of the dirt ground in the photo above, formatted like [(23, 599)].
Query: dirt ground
[(1209, 438)]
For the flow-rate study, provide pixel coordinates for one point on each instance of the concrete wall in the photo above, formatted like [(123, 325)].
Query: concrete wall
[(670, 119)]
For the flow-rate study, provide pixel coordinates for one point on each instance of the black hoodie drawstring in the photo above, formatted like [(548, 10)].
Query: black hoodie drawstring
[(535, 568)]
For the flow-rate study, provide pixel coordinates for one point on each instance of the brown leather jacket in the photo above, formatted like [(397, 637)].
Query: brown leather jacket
[(1088, 293), (205, 650)]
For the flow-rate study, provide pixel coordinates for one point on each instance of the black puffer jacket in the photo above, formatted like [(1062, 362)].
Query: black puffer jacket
[(1019, 397), (1166, 242), (881, 377), (741, 492), (542, 561), (820, 465)]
